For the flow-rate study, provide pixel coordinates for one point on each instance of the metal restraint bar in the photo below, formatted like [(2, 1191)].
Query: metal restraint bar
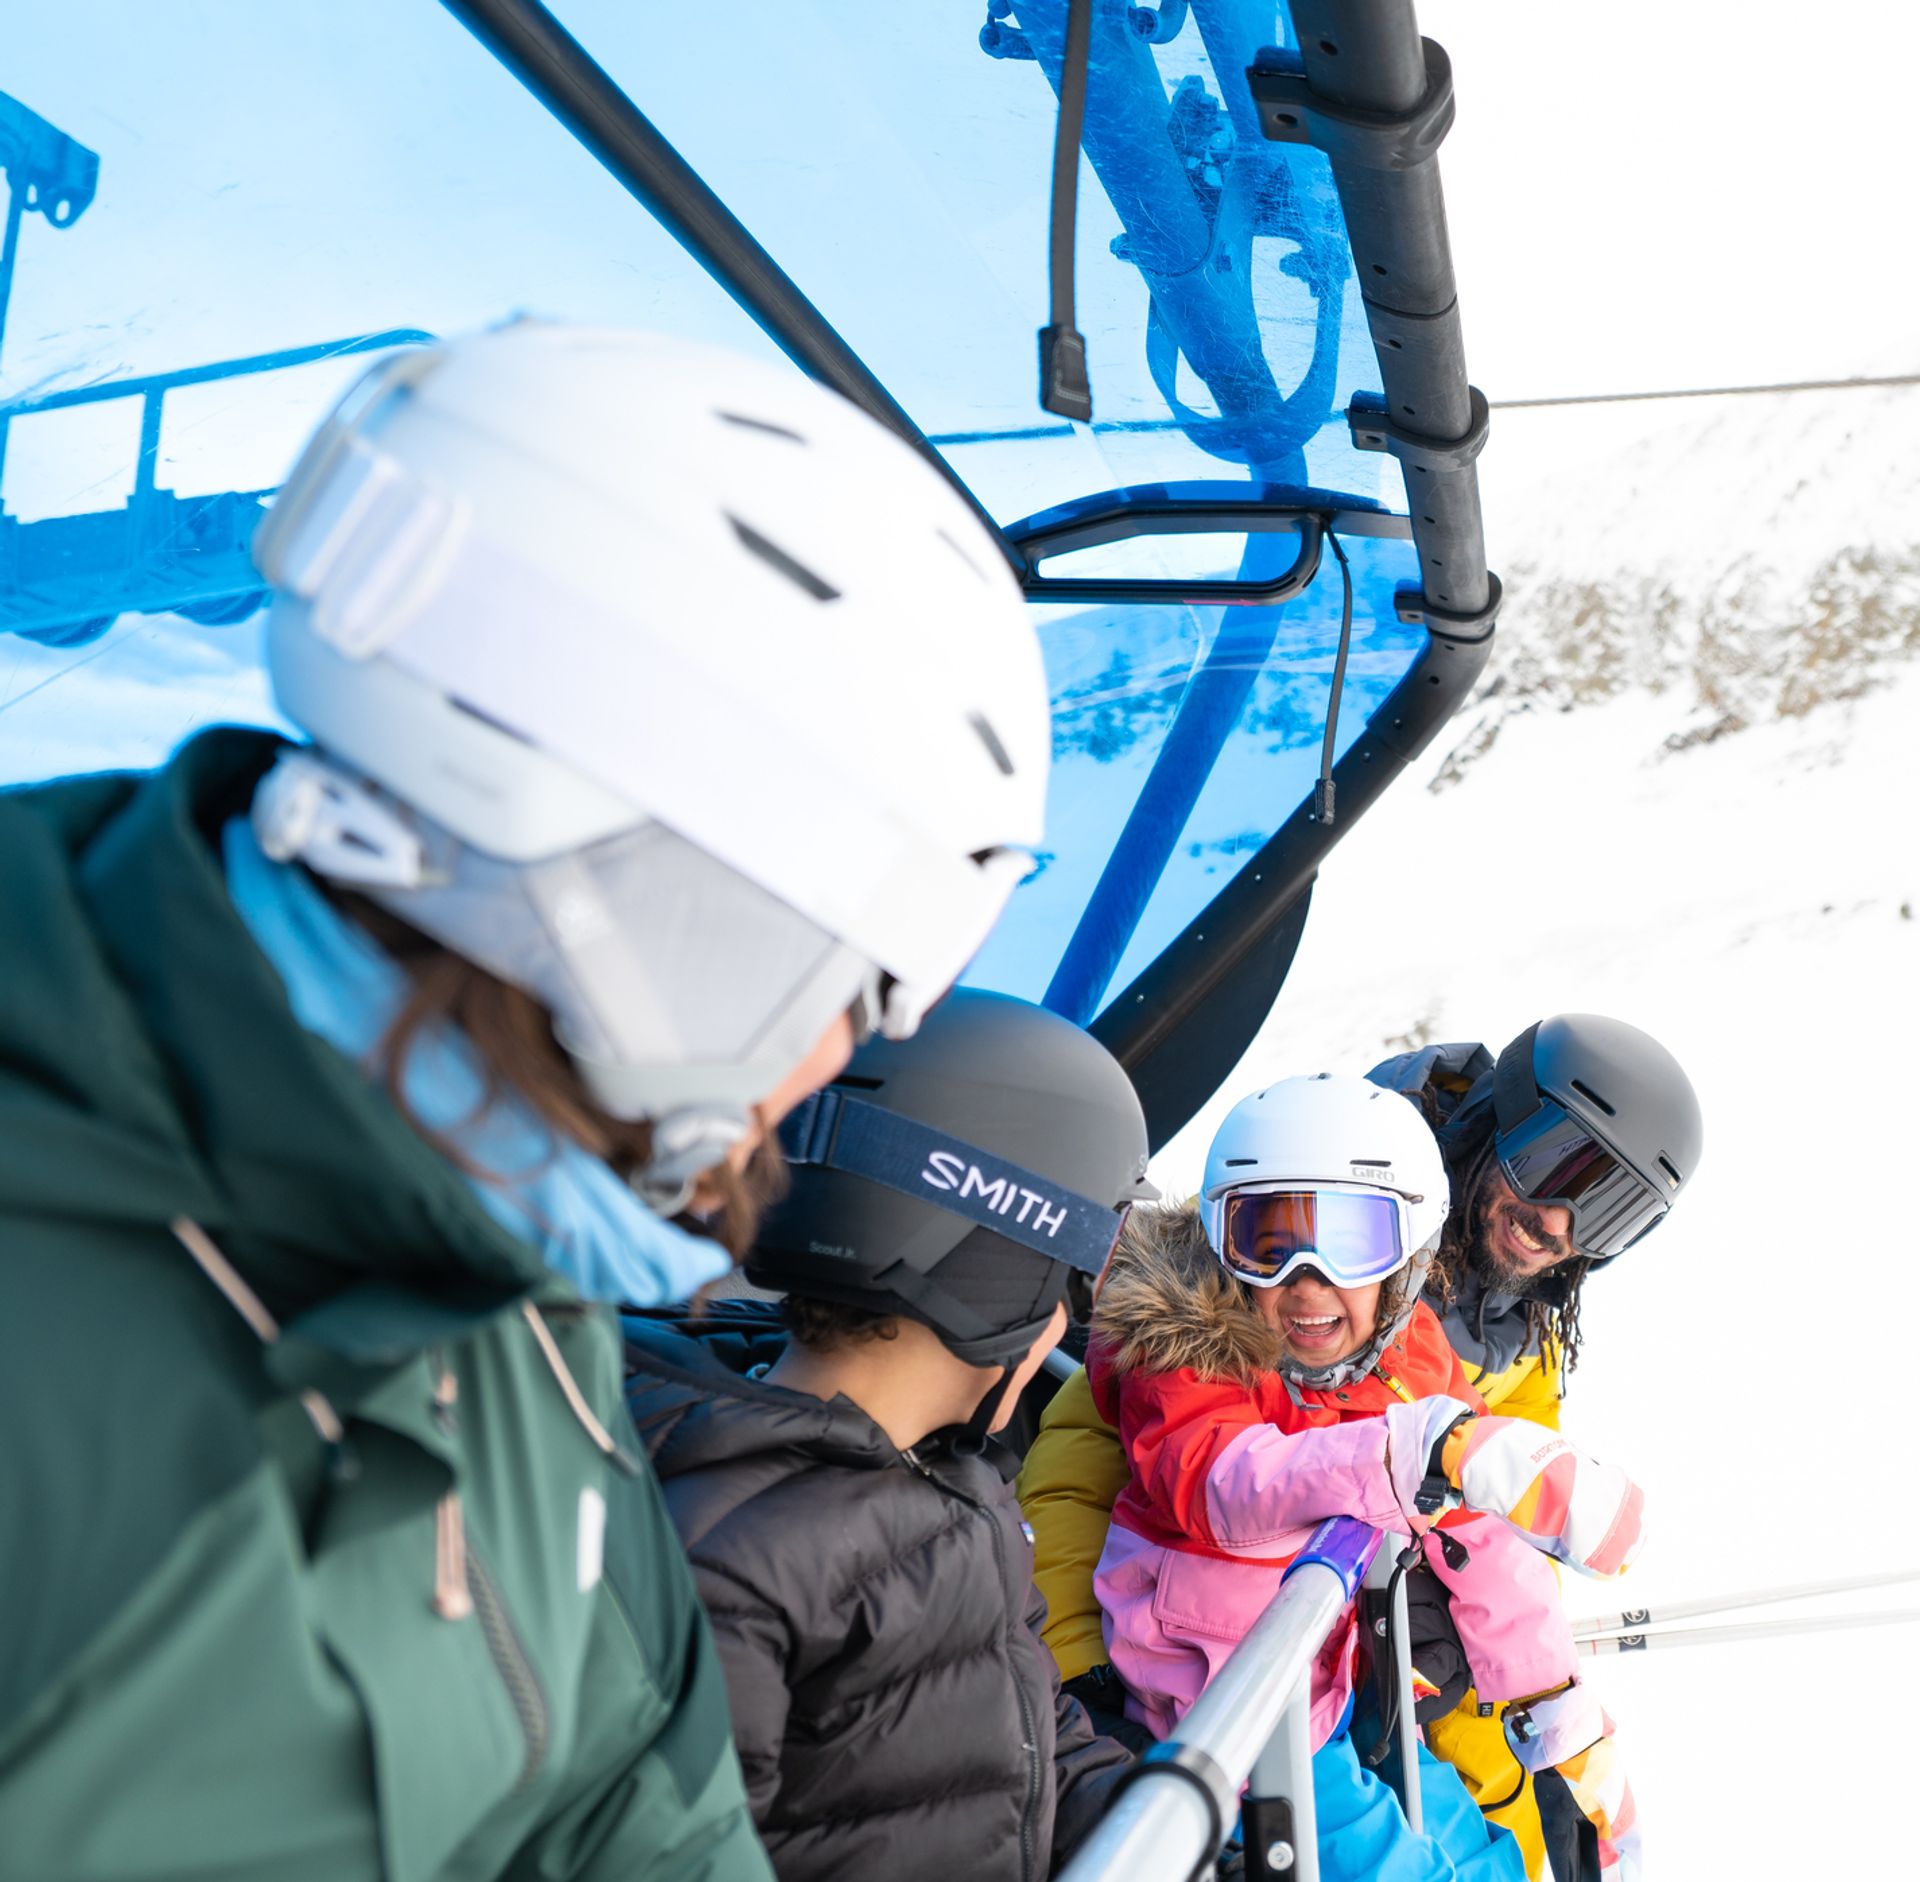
[(1251, 1727), (1384, 1607), (1377, 99)]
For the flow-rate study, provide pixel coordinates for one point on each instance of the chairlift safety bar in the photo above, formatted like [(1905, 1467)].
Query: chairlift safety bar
[(1252, 1722)]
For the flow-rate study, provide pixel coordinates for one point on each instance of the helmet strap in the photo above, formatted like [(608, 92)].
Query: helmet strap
[(967, 1334), (970, 1439)]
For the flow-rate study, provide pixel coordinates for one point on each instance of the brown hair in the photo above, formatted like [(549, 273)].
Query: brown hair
[(822, 1326), (511, 1034)]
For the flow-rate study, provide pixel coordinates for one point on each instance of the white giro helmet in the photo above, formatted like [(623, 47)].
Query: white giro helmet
[(1325, 1134), (663, 683), (1328, 1131)]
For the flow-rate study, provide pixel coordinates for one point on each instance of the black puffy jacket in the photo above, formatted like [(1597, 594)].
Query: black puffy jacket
[(896, 1713)]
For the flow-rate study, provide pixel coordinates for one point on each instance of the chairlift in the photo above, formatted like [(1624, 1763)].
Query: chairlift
[(1247, 514), (1275, 480)]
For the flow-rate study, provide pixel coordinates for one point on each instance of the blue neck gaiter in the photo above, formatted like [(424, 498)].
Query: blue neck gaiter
[(588, 1225)]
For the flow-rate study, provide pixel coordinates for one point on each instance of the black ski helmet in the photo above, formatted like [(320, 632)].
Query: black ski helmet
[(961, 1177), (1625, 1089)]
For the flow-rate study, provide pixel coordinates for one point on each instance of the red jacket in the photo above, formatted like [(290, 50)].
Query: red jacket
[(1174, 1425), (1230, 1472)]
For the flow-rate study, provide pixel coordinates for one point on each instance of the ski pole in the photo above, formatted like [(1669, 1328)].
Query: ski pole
[(1629, 1619), (1624, 1642)]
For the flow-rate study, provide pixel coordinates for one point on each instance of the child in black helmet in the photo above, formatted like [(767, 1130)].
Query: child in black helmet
[(864, 1565)]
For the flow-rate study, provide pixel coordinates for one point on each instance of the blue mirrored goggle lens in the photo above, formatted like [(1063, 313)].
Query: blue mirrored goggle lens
[(1351, 1239)]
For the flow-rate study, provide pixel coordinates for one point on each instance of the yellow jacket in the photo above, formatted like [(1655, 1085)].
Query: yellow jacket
[(1529, 1388), (1474, 1745), (1067, 1486)]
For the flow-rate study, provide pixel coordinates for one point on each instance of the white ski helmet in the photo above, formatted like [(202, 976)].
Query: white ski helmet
[(1344, 1135), (661, 682)]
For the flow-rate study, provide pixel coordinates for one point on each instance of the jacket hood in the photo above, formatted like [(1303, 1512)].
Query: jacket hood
[(1486, 1321), (695, 1406), (1167, 1304), (151, 1067)]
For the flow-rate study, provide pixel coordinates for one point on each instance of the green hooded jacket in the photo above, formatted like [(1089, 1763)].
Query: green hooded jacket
[(450, 1635)]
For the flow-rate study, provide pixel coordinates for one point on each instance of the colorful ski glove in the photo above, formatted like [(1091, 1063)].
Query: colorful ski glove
[(1568, 1731), (1573, 1507)]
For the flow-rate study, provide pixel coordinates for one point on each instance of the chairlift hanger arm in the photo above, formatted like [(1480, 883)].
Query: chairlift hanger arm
[(1376, 98), (564, 77), (1183, 1023), (1369, 91)]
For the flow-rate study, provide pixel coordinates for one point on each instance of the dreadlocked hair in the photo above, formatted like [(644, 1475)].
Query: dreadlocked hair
[(1553, 1318)]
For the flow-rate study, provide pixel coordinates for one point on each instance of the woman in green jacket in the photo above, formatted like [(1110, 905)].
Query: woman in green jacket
[(343, 1087)]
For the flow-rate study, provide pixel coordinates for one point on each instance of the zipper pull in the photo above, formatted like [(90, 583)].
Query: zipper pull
[(1392, 1384), (446, 1395), (452, 1598)]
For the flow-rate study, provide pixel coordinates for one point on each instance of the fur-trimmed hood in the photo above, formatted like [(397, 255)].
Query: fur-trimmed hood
[(1167, 1303)]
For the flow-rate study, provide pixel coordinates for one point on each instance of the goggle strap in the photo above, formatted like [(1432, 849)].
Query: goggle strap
[(836, 1131), (1515, 1094)]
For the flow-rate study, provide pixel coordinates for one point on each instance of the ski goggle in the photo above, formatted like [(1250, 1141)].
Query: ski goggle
[(1352, 1237), (1551, 1157)]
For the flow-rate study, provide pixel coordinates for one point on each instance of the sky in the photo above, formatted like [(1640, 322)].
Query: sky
[(1707, 193)]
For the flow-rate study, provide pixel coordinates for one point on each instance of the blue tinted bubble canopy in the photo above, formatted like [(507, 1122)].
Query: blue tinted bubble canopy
[(207, 294)]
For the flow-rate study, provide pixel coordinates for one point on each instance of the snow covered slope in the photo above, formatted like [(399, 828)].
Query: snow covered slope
[(1754, 900)]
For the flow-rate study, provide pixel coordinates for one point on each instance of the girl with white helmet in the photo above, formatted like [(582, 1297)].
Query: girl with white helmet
[(671, 725), (1267, 1360)]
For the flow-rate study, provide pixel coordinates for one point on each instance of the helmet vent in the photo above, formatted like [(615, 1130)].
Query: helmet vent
[(759, 424), (991, 740), (854, 1082), (487, 719), (1371, 1163), (1241, 1163), (777, 558), (1592, 1097), (980, 574), (1673, 1175)]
